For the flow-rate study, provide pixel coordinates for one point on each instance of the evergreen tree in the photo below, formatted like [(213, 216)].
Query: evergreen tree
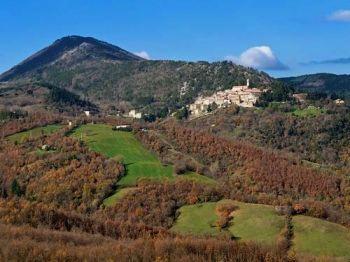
[(15, 188)]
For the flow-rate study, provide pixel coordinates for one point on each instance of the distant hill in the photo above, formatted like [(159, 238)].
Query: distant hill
[(69, 50), (117, 80), (329, 83)]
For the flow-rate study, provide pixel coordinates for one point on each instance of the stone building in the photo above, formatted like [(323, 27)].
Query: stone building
[(239, 95)]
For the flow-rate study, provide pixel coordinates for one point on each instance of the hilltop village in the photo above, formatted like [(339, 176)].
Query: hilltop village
[(240, 95)]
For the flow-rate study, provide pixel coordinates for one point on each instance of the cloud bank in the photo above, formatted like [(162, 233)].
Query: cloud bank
[(259, 57), (340, 16), (343, 61), (143, 54)]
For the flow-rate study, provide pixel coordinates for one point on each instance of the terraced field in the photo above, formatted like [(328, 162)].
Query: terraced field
[(140, 163), (34, 133)]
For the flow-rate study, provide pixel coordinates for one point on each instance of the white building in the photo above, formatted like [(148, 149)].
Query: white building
[(339, 102), (87, 113), (135, 114)]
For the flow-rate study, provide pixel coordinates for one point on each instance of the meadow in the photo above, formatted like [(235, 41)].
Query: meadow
[(320, 238), (250, 222), (254, 222), (197, 219), (310, 111), (33, 133)]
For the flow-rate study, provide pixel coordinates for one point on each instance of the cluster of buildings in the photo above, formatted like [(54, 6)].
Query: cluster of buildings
[(239, 95)]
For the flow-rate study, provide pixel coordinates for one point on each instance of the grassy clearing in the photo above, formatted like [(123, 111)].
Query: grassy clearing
[(197, 219), (310, 111), (120, 193), (192, 176), (34, 133), (250, 223), (320, 238), (255, 222), (41, 152)]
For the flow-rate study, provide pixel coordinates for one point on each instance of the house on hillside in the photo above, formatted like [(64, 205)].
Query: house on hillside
[(300, 97), (134, 114)]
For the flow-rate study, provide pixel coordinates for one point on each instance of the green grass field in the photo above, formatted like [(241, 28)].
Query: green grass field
[(250, 223), (140, 163), (197, 219), (255, 222), (192, 176), (311, 111), (119, 194), (33, 133), (320, 238)]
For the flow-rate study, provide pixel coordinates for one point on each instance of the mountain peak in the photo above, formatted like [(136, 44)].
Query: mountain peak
[(70, 50)]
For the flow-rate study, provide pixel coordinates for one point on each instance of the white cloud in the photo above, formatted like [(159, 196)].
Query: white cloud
[(259, 57), (340, 15), (143, 54)]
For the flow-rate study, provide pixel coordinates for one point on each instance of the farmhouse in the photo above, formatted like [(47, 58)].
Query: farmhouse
[(240, 95), (135, 114)]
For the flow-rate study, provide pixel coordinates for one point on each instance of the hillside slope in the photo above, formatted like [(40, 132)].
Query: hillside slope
[(329, 83)]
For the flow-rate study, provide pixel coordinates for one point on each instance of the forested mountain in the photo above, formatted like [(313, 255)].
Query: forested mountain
[(115, 79), (329, 83)]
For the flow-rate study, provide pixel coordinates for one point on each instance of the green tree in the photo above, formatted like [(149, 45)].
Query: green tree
[(15, 188), (182, 113)]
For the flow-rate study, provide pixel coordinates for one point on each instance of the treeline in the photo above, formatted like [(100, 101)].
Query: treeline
[(61, 98), (6, 115), (23, 243)]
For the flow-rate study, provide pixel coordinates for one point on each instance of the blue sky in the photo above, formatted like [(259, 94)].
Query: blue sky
[(275, 36)]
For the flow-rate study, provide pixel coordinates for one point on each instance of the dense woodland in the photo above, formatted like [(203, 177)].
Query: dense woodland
[(327, 83), (323, 138)]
